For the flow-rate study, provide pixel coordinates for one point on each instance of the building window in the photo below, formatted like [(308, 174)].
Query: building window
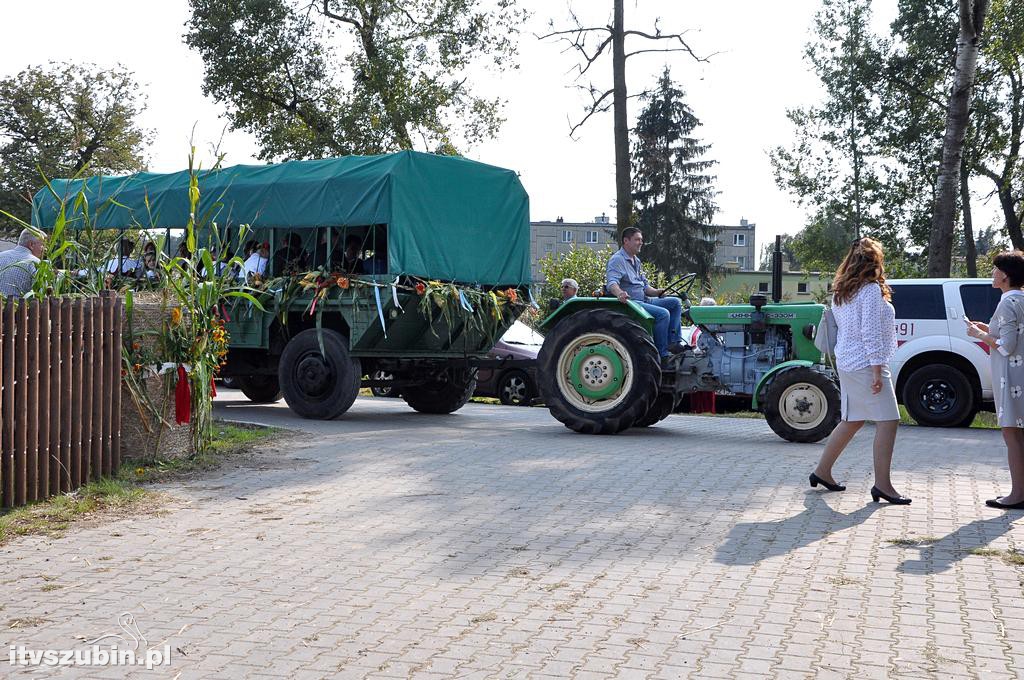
[(591, 237), (566, 236), (801, 287), (762, 286), (739, 239), (548, 247), (741, 262)]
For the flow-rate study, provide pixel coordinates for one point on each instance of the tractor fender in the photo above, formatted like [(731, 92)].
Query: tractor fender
[(771, 375), (579, 304)]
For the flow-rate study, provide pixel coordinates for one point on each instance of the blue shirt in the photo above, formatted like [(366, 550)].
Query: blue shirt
[(626, 272)]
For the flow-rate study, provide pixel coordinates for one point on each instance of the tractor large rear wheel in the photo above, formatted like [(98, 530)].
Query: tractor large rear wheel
[(598, 372), (802, 405), (662, 408)]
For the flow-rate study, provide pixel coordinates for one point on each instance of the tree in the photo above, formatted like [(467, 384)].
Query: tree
[(675, 199), (972, 21), (768, 251), (591, 42), (823, 243), (65, 119), (318, 78)]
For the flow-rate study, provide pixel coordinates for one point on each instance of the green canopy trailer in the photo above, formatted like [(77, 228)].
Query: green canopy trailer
[(423, 218)]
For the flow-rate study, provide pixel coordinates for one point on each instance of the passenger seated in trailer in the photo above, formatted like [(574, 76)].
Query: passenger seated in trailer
[(351, 263), (123, 264), (148, 272), (290, 258), (320, 251), (378, 264), (256, 264)]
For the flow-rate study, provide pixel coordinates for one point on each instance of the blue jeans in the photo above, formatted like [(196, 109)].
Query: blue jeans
[(668, 319)]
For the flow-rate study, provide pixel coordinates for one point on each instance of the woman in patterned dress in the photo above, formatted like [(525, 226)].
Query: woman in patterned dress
[(1004, 335), (866, 342)]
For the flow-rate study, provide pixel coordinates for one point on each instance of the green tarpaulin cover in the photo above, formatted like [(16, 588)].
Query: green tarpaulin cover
[(448, 218)]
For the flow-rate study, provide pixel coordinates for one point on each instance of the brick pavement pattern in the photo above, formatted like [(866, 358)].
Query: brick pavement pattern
[(495, 543)]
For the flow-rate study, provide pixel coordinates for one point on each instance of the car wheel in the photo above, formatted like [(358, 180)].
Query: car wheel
[(598, 372), (939, 395), (383, 391), (260, 389), (515, 388), (802, 405), (319, 385)]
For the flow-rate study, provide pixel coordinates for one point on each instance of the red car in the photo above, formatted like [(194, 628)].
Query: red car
[(515, 385)]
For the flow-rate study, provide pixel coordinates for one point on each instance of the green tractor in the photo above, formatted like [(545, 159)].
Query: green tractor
[(397, 271), (599, 371)]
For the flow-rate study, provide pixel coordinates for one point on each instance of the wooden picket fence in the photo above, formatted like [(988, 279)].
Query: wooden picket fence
[(60, 403)]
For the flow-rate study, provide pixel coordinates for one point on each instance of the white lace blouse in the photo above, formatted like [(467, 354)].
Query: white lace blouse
[(867, 330)]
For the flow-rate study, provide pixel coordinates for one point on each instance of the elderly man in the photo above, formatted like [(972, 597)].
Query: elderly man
[(18, 265), (569, 289), (627, 281)]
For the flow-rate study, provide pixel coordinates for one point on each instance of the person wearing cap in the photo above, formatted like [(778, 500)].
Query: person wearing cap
[(569, 289)]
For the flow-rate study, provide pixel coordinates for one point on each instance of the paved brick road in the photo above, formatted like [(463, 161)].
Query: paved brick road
[(497, 544)]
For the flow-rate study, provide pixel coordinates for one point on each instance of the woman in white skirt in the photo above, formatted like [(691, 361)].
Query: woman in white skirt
[(865, 344), (1004, 335)]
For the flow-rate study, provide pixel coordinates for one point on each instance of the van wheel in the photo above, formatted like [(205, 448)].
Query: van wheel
[(598, 372), (662, 408), (384, 391), (260, 389), (802, 405), (315, 385), (938, 395), (445, 394)]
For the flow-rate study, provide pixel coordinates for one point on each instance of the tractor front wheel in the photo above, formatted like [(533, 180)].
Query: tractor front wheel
[(802, 405), (598, 372)]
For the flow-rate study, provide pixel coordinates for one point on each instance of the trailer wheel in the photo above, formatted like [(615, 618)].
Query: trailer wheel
[(315, 385), (802, 405), (446, 394), (598, 372), (260, 389), (662, 408)]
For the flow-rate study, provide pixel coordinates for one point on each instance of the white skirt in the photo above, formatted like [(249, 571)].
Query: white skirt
[(858, 403)]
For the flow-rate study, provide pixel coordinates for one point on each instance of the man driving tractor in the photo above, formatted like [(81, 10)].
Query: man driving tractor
[(625, 279)]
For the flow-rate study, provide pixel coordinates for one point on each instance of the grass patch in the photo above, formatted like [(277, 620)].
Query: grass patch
[(51, 517), (122, 493), (1011, 557), (910, 541), (230, 439), (982, 421)]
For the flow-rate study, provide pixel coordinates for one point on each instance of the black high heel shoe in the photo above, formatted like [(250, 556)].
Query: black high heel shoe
[(815, 480), (895, 500)]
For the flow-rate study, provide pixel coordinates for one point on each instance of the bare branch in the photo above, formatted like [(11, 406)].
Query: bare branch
[(573, 31), (673, 49), (595, 107)]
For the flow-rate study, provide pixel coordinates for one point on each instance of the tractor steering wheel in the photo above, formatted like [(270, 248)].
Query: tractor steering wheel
[(681, 286)]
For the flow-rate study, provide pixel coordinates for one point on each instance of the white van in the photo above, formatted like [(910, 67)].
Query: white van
[(942, 375)]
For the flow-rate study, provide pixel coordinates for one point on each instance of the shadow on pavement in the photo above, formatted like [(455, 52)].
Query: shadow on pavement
[(751, 542), (940, 556)]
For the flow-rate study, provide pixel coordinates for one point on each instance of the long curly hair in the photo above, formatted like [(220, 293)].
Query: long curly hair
[(864, 264)]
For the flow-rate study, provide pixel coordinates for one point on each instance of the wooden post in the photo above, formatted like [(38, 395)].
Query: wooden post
[(20, 397), (96, 412), (56, 393), (43, 403), (7, 402), (67, 361), (108, 382), (83, 386), (115, 428)]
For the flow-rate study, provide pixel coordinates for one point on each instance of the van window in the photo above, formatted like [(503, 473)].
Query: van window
[(918, 301), (979, 300)]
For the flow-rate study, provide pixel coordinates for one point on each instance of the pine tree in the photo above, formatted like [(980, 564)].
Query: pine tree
[(675, 198)]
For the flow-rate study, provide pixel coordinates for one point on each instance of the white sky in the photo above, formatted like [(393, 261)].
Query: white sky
[(741, 95)]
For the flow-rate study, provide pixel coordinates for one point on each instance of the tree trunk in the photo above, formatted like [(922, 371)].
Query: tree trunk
[(972, 20), (970, 250), (623, 182)]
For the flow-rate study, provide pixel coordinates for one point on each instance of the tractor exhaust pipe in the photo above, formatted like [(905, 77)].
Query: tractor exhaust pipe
[(777, 271)]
